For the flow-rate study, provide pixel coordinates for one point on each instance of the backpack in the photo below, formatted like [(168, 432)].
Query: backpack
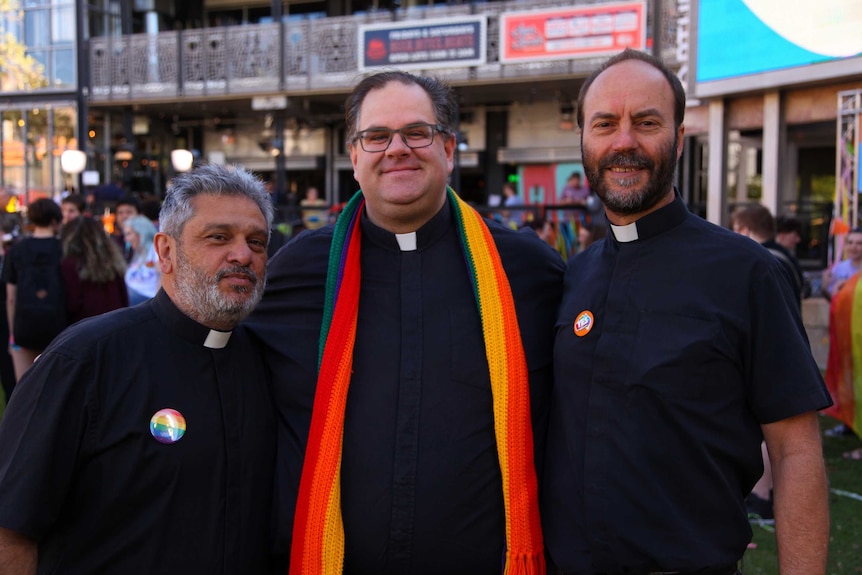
[(40, 301)]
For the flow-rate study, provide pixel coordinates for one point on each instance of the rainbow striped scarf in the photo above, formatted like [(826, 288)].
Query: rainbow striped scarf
[(318, 531), (844, 366)]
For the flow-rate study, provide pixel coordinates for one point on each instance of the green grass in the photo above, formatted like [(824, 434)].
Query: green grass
[(845, 540)]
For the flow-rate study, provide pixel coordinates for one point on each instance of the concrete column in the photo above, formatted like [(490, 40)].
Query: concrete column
[(771, 151), (715, 192)]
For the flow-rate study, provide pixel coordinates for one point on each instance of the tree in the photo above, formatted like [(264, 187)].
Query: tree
[(19, 71)]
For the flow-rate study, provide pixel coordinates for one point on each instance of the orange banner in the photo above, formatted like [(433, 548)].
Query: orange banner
[(582, 32)]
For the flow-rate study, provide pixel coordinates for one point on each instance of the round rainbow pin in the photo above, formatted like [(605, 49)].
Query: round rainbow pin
[(168, 425)]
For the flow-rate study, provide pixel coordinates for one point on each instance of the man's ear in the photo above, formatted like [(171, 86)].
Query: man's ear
[(165, 248)]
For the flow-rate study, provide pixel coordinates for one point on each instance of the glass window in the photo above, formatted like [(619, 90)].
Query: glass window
[(63, 24), (37, 27), (37, 156), (13, 150), (11, 23), (63, 68)]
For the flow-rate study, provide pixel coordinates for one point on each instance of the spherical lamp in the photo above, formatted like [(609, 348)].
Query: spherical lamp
[(182, 160)]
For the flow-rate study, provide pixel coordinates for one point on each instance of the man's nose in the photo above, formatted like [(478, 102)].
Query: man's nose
[(625, 138), (397, 146), (240, 252)]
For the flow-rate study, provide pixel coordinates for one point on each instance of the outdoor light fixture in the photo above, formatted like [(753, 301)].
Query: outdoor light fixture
[(73, 161), (182, 160)]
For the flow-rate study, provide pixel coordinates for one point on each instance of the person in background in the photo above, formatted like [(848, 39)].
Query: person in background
[(36, 256), (313, 216), (72, 206), (142, 440), (574, 193), (126, 207), (678, 349), (756, 222), (835, 276), (143, 277), (10, 228), (788, 232), (844, 362), (788, 235), (512, 218), (439, 323), (93, 270)]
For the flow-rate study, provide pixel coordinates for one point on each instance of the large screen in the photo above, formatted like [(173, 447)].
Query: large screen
[(762, 43)]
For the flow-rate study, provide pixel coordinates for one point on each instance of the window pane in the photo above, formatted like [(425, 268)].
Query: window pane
[(13, 150), (63, 68), (37, 27), (63, 29), (37, 153)]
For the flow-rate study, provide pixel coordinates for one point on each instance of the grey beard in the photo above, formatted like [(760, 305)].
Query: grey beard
[(200, 297)]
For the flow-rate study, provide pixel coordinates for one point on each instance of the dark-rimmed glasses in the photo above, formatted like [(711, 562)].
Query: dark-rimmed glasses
[(414, 136)]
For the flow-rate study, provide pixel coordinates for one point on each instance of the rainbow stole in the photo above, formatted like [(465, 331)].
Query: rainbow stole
[(844, 366), (317, 546)]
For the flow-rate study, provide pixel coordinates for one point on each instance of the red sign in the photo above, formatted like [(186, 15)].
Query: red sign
[(582, 32)]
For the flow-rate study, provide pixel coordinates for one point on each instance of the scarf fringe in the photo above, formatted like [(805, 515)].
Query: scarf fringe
[(525, 564)]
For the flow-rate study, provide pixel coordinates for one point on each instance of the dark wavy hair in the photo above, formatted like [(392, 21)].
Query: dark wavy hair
[(98, 257)]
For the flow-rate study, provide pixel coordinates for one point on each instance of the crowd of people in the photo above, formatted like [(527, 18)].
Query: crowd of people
[(61, 265), (417, 388)]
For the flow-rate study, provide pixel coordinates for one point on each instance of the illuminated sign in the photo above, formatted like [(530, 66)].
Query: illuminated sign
[(425, 44), (579, 32)]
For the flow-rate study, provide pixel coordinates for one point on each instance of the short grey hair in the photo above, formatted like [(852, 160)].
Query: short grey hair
[(212, 180)]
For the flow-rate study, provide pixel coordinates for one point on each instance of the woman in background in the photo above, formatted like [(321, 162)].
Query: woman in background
[(143, 276), (835, 276), (93, 270), (35, 302)]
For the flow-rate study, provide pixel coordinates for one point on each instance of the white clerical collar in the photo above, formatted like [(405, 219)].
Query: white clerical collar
[(627, 233), (407, 242), (217, 339)]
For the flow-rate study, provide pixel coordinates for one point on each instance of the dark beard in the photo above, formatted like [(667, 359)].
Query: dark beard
[(632, 201)]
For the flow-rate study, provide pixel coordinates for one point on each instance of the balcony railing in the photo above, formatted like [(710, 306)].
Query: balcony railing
[(317, 55)]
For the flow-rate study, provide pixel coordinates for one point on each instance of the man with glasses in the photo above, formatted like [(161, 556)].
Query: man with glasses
[(440, 325)]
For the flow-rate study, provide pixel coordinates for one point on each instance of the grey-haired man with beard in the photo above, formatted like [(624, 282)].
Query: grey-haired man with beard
[(679, 347), (142, 441)]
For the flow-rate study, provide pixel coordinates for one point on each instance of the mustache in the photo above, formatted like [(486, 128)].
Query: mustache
[(626, 160), (237, 270)]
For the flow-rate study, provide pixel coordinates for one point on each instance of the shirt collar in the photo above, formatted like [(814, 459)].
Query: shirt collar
[(654, 223), (184, 326), (432, 230)]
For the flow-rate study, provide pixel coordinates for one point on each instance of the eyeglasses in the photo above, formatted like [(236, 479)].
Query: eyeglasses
[(414, 136)]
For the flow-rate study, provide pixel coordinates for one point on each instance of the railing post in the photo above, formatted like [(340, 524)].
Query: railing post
[(180, 63)]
